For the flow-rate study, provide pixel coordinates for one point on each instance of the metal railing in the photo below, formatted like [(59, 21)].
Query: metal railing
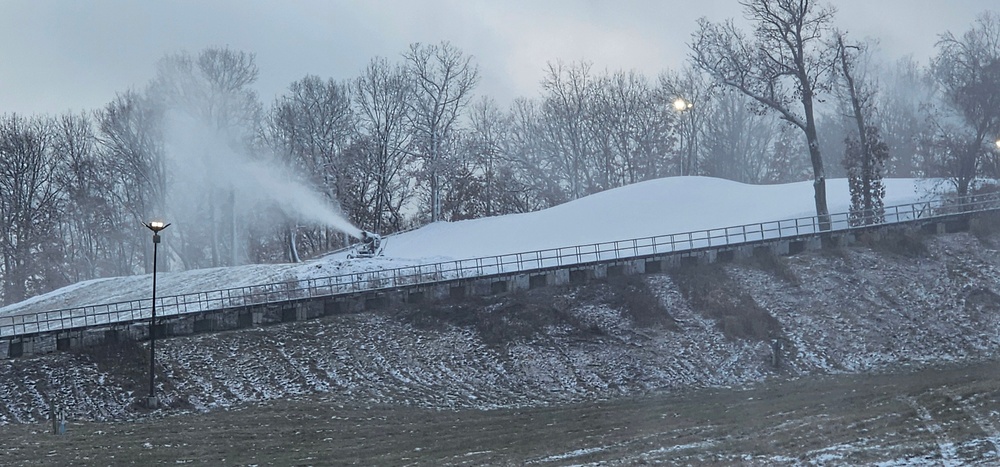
[(126, 311)]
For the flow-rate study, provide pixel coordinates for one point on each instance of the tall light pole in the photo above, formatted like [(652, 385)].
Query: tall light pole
[(682, 105), (156, 227)]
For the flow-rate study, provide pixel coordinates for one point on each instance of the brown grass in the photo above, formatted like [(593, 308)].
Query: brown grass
[(713, 293), (906, 243), (517, 317), (773, 265), (126, 360), (985, 227), (632, 296)]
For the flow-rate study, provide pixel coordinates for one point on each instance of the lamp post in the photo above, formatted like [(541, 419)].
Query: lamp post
[(156, 227), (682, 105)]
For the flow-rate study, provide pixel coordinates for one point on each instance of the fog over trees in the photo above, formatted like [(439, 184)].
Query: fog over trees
[(784, 68), (408, 141)]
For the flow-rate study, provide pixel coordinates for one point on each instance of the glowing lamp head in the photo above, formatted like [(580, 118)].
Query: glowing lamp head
[(156, 226), (681, 105), (998, 144)]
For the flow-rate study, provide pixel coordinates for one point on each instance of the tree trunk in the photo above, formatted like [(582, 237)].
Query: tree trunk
[(15, 280), (819, 177), (293, 248), (214, 225), (435, 197), (234, 252), (867, 203)]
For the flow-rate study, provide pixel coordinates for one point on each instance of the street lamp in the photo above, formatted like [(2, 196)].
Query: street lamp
[(681, 104), (156, 227)]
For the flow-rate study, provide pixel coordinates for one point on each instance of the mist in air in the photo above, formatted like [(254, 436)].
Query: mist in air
[(249, 187)]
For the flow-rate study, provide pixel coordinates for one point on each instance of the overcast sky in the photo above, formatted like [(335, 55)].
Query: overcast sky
[(73, 55)]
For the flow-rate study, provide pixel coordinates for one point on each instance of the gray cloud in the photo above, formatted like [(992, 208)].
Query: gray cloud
[(62, 55)]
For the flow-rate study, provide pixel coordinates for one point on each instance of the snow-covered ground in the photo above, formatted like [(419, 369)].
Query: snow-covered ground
[(651, 208), (868, 309), (655, 207), (907, 300)]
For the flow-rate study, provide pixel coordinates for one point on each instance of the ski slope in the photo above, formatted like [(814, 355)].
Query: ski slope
[(655, 207)]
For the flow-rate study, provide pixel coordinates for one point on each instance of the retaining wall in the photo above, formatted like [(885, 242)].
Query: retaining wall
[(298, 310)]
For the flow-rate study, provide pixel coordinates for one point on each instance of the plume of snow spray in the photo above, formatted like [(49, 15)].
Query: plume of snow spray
[(203, 162), (293, 198)]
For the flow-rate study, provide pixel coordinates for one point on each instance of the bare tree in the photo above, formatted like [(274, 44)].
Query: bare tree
[(215, 114), (214, 86), (738, 143), (688, 95), (487, 145), (906, 90), (311, 127), (130, 139), (539, 170), (232, 104), (865, 152), (630, 126), (968, 70), (563, 125), (380, 156), (487, 140), (443, 81), (782, 68), (92, 223), (29, 203)]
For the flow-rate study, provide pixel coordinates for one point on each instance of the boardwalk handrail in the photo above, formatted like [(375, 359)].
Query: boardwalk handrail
[(172, 305)]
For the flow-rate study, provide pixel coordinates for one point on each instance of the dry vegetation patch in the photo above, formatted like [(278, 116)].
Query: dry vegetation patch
[(906, 243), (632, 296), (517, 317), (713, 293)]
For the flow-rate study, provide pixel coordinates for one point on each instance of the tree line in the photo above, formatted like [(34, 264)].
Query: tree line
[(408, 141)]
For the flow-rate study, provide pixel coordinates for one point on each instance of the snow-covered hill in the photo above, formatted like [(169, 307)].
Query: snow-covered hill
[(655, 207)]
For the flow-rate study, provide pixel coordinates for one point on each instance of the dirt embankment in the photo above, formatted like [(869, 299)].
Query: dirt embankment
[(904, 299)]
